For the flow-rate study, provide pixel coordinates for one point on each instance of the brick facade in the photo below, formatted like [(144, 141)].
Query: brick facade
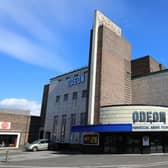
[(113, 72), (151, 89), (145, 65), (19, 123)]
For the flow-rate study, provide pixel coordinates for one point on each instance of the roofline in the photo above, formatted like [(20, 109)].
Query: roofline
[(86, 67), (149, 74), (117, 105), (15, 111), (139, 58)]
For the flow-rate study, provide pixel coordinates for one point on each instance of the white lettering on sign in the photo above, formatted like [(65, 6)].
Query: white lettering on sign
[(5, 125), (76, 80), (149, 127)]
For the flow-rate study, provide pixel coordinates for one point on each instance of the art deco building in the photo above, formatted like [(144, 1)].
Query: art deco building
[(114, 105)]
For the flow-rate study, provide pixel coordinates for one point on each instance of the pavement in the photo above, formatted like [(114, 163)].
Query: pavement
[(51, 159)]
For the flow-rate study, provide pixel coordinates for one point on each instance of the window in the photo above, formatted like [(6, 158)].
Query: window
[(57, 99), (54, 131), (59, 80), (75, 95), (85, 74), (63, 127), (72, 123), (43, 142), (55, 122), (84, 93), (73, 119), (75, 75), (83, 119), (65, 97)]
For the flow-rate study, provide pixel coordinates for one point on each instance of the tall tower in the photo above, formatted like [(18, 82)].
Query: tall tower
[(109, 68)]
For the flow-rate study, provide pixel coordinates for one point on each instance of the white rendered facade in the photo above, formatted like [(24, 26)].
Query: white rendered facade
[(66, 106)]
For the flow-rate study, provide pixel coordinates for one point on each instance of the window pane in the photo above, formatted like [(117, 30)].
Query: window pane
[(57, 98), (84, 93), (65, 97), (75, 95)]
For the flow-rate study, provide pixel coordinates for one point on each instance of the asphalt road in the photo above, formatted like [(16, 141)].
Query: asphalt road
[(48, 159)]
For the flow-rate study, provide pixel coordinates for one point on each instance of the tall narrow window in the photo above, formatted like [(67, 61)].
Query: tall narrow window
[(57, 99), (84, 93), (75, 95), (73, 119), (63, 128), (65, 97), (72, 123), (55, 124), (83, 119)]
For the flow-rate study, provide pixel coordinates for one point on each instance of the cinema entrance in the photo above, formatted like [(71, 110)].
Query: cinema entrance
[(135, 142)]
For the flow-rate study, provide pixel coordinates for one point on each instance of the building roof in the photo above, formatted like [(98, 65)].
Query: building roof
[(76, 70), (15, 111), (150, 74)]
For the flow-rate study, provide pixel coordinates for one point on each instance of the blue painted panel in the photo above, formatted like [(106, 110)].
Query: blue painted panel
[(103, 128)]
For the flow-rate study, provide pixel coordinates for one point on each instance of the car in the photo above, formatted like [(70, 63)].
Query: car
[(40, 144)]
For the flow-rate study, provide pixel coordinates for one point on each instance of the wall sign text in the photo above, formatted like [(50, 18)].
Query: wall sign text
[(148, 117), (76, 80)]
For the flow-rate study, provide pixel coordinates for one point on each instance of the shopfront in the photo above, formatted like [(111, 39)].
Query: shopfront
[(130, 129), (135, 142), (8, 139), (14, 128)]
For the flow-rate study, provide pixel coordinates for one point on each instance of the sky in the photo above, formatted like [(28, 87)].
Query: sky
[(40, 39)]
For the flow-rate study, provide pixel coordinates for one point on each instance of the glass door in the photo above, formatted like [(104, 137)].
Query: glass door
[(113, 144), (156, 145)]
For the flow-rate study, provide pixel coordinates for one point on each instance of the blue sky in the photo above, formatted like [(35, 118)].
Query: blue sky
[(40, 39)]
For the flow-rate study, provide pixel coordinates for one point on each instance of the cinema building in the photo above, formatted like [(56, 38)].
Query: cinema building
[(115, 105)]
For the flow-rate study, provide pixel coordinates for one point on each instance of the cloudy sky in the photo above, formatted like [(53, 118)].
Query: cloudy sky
[(40, 39)]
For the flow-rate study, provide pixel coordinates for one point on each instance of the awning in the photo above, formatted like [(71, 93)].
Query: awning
[(103, 128)]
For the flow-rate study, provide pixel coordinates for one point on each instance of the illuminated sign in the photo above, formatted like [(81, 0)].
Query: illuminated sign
[(148, 117), (76, 80), (149, 121), (5, 125), (91, 139)]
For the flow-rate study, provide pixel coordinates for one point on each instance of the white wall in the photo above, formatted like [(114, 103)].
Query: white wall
[(65, 107)]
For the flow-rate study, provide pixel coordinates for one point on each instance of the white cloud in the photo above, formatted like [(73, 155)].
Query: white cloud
[(26, 36), (24, 104), (21, 14), (23, 49), (36, 32)]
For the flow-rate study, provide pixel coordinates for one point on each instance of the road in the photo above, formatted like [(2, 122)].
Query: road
[(49, 159)]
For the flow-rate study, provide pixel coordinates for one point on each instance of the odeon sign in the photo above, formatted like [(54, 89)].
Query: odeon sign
[(139, 118), (149, 121), (76, 80), (148, 117)]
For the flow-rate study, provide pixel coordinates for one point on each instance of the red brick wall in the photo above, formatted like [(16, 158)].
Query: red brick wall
[(19, 123)]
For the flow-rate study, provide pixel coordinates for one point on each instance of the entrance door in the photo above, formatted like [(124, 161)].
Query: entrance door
[(156, 145), (110, 144), (114, 144)]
